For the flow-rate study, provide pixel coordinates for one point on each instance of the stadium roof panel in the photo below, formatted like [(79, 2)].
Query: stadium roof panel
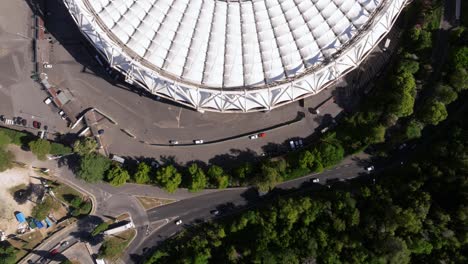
[(232, 47)]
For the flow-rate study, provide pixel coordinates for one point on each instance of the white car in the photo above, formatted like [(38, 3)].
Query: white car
[(315, 180), (61, 113), (48, 100), (173, 142), (198, 141), (253, 136), (47, 66), (178, 222), (291, 143), (370, 168)]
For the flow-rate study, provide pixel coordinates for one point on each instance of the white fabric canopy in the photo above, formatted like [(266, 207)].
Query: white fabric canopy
[(234, 55)]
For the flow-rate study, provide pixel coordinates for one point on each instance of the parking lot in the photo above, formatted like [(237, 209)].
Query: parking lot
[(144, 123), (20, 96)]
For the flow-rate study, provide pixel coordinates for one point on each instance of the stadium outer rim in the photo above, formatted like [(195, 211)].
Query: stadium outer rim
[(271, 96)]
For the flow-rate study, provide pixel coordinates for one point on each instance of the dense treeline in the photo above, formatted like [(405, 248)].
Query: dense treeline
[(417, 213)]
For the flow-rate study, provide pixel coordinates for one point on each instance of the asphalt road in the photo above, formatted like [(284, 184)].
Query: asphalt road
[(196, 210)]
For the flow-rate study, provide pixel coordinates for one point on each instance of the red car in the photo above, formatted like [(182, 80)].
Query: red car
[(37, 124), (262, 135), (54, 252)]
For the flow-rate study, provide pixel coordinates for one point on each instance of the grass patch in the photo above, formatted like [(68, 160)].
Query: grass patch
[(26, 243), (151, 202), (66, 193), (114, 246), (16, 188), (296, 173)]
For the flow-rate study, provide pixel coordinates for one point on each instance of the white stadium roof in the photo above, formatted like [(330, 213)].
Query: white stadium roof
[(237, 55)]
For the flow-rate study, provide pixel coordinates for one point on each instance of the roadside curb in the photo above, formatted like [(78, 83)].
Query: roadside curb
[(82, 191)]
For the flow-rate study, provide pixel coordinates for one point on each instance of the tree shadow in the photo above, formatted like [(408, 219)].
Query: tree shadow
[(85, 226), (234, 158)]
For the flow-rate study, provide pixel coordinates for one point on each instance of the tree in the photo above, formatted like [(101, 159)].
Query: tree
[(459, 79), (76, 202), (93, 167), (268, 177), (330, 154), (41, 210), (306, 159), (445, 94), (142, 174), (6, 159), (40, 148), (4, 139), (460, 58), (7, 254), (169, 178), (244, 171), (413, 129), (85, 146), (100, 228), (86, 208), (433, 112), (407, 65), (59, 149), (217, 175), (198, 179), (117, 176)]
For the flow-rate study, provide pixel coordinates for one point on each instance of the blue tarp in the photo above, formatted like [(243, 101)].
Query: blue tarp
[(49, 223), (38, 223), (20, 217)]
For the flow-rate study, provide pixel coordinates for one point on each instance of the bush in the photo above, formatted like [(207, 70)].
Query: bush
[(4, 139), (16, 137), (198, 179), (142, 174)]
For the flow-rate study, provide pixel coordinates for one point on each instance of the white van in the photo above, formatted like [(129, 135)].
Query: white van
[(118, 159)]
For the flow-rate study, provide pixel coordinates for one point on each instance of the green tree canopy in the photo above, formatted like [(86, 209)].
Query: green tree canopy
[(408, 65), (59, 149), (459, 79), (413, 129), (198, 178), (85, 146), (40, 148), (445, 94), (244, 171), (330, 154), (433, 112), (271, 173), (460, 58), (117, 176), (142, 175), (169, 178), (7, 254), (93, 167), (218, 176)]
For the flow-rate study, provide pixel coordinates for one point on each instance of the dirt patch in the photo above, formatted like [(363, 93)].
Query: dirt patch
[(17, 193), (151, 202)]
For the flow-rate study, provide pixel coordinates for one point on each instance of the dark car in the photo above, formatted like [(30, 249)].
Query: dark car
[(54, 252), (37, 124), (24, 122)]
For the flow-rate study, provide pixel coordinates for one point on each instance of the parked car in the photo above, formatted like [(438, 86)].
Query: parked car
[(262, 135), (64, 243), (315, 180), (198, 141), (48, 100), (37, 124), (215, 212), (299, 143), (291, 143), (253, 136), (178, 222), (47, 66), (100, 132), (61, 113), (370, 168), (155, 164), (402, 146), (173, 142), (24, 122), (54, 252)]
